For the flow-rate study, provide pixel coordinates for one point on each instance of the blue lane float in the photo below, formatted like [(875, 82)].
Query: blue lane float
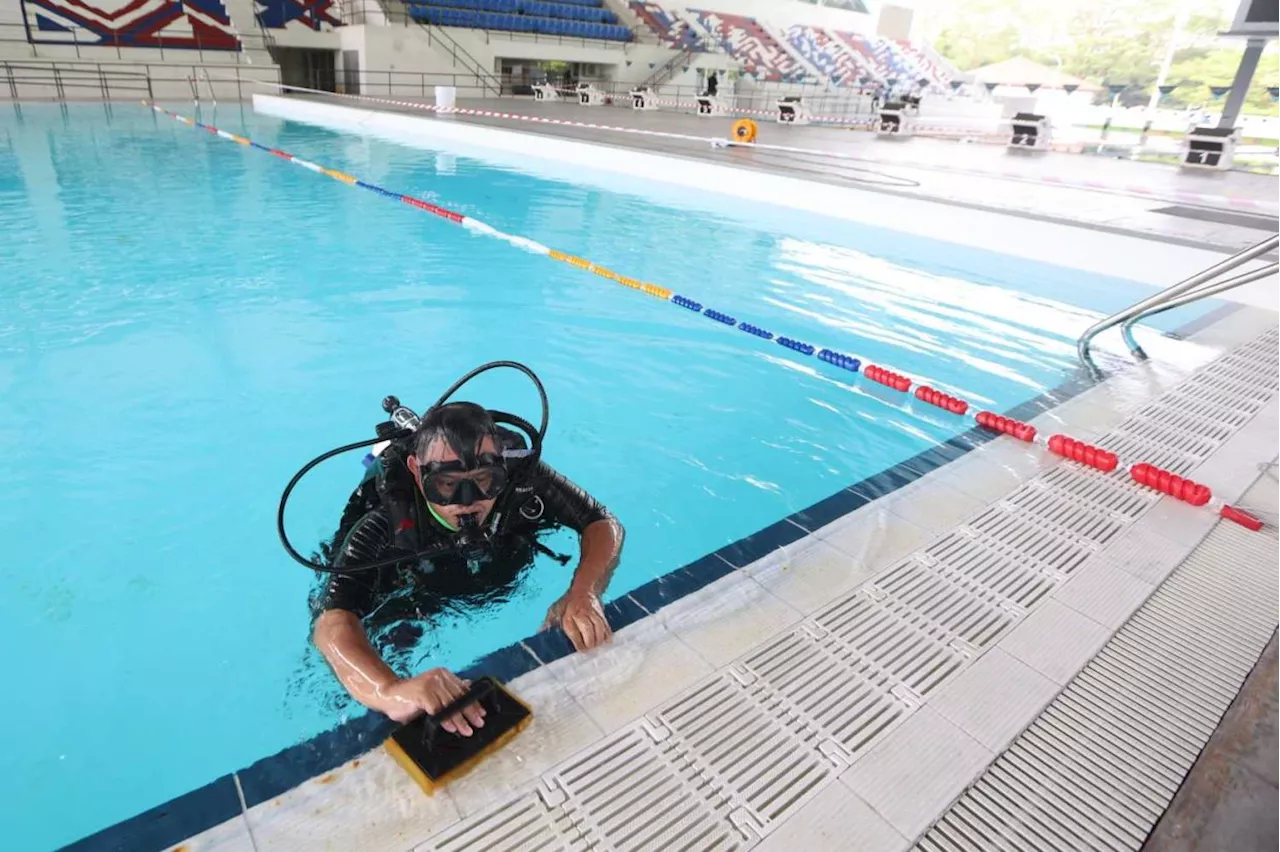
[(756, 330), (375, 188), (839, 359), (796, 345)]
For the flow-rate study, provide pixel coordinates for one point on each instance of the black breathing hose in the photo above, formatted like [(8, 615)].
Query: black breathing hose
[(535, 436)]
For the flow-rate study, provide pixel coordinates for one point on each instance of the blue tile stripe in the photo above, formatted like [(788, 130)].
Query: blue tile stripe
[(199, 810)]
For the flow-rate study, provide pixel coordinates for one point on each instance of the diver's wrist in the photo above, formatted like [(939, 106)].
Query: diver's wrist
[(583, 591), (382, 689)]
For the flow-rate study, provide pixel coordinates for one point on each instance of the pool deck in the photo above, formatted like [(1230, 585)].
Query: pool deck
[(857, 687)]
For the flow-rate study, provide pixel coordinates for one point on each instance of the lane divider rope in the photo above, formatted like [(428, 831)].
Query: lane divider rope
[(1141, 472)]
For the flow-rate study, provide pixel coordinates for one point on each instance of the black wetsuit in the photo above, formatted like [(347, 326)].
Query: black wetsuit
[(375, 526)]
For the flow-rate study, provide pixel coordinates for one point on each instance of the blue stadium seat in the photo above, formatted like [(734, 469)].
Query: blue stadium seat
[(575, 18)]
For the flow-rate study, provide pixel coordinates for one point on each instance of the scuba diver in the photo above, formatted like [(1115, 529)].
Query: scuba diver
[(448, 515)]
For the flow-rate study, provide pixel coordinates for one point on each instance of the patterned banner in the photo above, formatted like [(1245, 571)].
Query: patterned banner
[(170, 24), (313, 14)]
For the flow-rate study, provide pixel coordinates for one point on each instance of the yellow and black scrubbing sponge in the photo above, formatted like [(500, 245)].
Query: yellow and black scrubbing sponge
[(432, 755)]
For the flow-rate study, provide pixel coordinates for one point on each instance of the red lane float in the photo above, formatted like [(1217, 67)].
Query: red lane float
[(1244, 519), (954, 404), (1078, 451), (1008, 426), (431, 208), (897, 381), (1168, 483)]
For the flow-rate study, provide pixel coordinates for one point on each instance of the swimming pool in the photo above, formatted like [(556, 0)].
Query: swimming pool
[(187, 321)]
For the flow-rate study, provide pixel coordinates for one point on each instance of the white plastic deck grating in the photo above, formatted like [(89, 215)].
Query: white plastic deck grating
[(720, 766), (1102, 762)]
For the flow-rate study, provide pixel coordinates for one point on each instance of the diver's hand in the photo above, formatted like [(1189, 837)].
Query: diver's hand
[(431, 692), (582, 618)]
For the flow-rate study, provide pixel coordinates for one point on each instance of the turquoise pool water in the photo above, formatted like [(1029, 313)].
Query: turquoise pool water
[(184, 322)]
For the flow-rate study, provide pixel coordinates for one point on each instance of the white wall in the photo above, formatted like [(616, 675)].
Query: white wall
[(308, 38), (396, 49)]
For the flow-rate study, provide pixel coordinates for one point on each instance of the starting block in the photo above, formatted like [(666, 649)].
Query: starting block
[(589, 95), (642, 98), (1030, 132), (709, 105), (1210, 147), (791, 110), (545, 92), (895, 121)]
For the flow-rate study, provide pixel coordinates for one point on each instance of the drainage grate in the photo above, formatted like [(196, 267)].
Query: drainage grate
[(873, 627), (1100, 765), (1170, 438), (846, 690), (1113, 492), (755, 748), (1205, 416), (1222, 387), (1012, 579), (1030, 540), (635, 792), (531, 821), (1068, 512), (964, 609)]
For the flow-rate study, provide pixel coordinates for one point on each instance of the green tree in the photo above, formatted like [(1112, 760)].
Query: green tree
[(969, 47), (1102, 41), (1194, 71)]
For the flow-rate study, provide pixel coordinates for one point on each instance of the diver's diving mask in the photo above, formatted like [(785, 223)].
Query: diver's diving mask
[(453, 484)]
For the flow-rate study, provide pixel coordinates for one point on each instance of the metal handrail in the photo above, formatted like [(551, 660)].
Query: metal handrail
[(213, 98), (68, 67), (1188, 298), (664, 72), (1170, 298), (469, 62)]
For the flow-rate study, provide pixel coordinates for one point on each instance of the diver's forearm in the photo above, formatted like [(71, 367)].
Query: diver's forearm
[(340, 637), (601, 544)]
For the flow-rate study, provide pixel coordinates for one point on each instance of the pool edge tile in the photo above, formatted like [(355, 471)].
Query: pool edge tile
[(170, 823)]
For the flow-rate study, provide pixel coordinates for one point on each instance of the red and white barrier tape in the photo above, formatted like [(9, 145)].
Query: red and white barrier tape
[(1156, 194)]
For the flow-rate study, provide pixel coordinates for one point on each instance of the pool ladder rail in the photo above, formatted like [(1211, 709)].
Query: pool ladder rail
[(193, 80), (1207, 282)]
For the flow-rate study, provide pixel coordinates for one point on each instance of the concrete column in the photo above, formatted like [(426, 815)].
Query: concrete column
[(1240, 85)]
